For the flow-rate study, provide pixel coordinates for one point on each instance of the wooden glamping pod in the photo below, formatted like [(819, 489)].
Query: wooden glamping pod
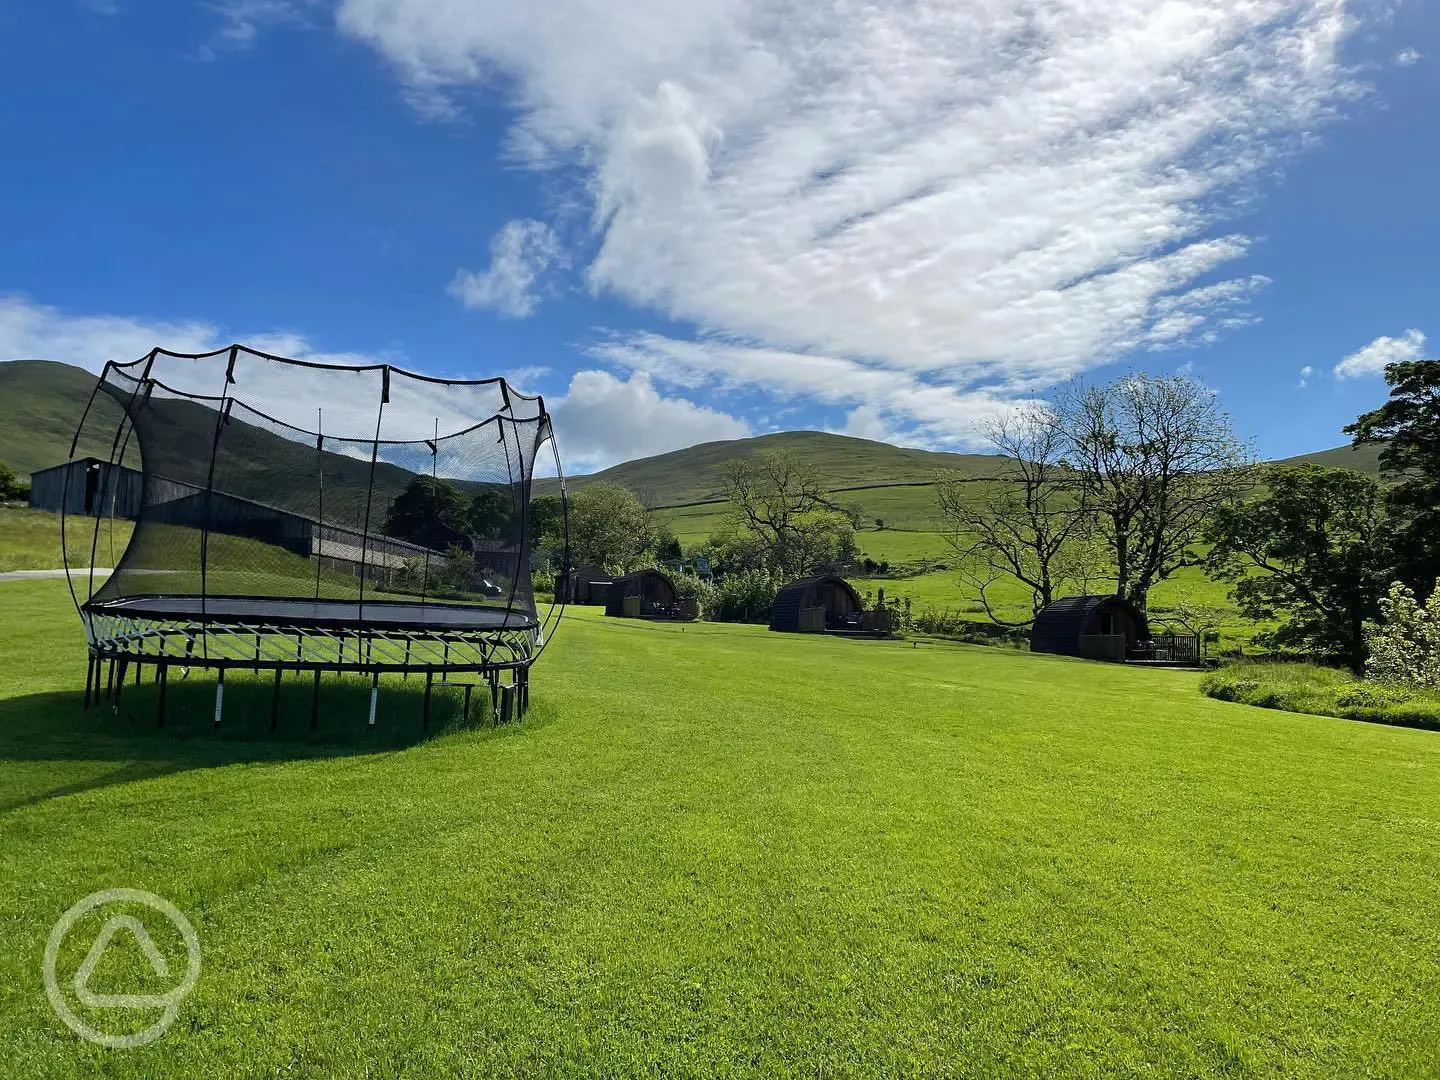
[(647, 594), (586, 585), (1091, 627), (818, 604)]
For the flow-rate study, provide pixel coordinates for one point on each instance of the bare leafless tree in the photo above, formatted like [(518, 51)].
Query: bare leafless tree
[(781, 502), (1031, 526), (1155, 457)]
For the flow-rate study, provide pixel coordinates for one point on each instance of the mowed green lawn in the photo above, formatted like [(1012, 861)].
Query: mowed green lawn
[(712, 850)]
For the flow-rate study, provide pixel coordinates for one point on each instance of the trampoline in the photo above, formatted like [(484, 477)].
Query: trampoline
[(311, 517)]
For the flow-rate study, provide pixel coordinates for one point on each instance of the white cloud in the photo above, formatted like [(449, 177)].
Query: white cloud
[(602, 420), (972, 192), (519, 254), (290, 395), (1371, 360), (1407, 57), (30, 331), (905, 407), (1305, 374)]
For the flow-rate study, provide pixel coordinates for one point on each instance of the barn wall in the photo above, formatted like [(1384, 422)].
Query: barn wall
[(47, 490)]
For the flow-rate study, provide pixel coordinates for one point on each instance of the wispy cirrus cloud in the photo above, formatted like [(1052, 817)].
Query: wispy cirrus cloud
[(241, 21), (1371, 359), (987, 197)]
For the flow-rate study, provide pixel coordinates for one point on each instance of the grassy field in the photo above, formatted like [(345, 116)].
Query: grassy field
[(30, 540), (711, 850)]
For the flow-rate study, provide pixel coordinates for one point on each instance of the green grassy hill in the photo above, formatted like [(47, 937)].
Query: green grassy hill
[(690, 475), (41, 403), (1365, 459)]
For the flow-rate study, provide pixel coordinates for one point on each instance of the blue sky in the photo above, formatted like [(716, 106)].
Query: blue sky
[(688, 222)]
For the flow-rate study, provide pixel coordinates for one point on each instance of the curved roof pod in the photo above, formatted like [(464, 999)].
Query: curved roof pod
[(1094, 627), (651, 593), (824, 591)]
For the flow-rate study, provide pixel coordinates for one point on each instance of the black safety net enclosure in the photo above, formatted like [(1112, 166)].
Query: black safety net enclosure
[(296, 516)]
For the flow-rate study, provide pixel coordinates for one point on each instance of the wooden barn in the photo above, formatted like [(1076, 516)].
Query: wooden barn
[(87, 486), (818, 604), (1090, 627), (646, 594)]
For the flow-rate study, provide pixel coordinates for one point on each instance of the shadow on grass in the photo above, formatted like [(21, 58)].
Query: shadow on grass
[(55, 726)]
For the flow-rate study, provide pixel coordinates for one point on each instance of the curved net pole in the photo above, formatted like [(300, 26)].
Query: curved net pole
[(434, 488), (121, 440), (320, 499), (510, 482), (65, 492), (559, 601), (222, 412), (370, 486), (113, 479)]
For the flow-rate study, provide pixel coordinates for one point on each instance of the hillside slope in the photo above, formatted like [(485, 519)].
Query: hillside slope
[(1365, 459), (690, 475), (41, 402)]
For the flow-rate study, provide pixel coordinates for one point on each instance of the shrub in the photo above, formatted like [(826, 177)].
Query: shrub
[(1322, 691), (690, 587), (1405, 647), (11, 485), (742, 596), (953, 624)]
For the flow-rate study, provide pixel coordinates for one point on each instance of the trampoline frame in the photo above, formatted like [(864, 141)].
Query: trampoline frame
[(209, 640)]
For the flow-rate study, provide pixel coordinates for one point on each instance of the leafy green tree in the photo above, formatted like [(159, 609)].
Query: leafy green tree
[(547, 522), (11, 486), (491, 514), (1317, 538), (610, 527), (667, 544), (429, 512), (1408, 428)]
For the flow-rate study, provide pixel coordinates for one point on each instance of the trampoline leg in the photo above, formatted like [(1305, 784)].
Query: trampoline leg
[(407, 659), (468, 687), (89, 677), (425, 711), (120, 680), (161, 671), (110, 680), (315, 702), (219, 697), (275, 703), (374, 696), (138, 665)]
